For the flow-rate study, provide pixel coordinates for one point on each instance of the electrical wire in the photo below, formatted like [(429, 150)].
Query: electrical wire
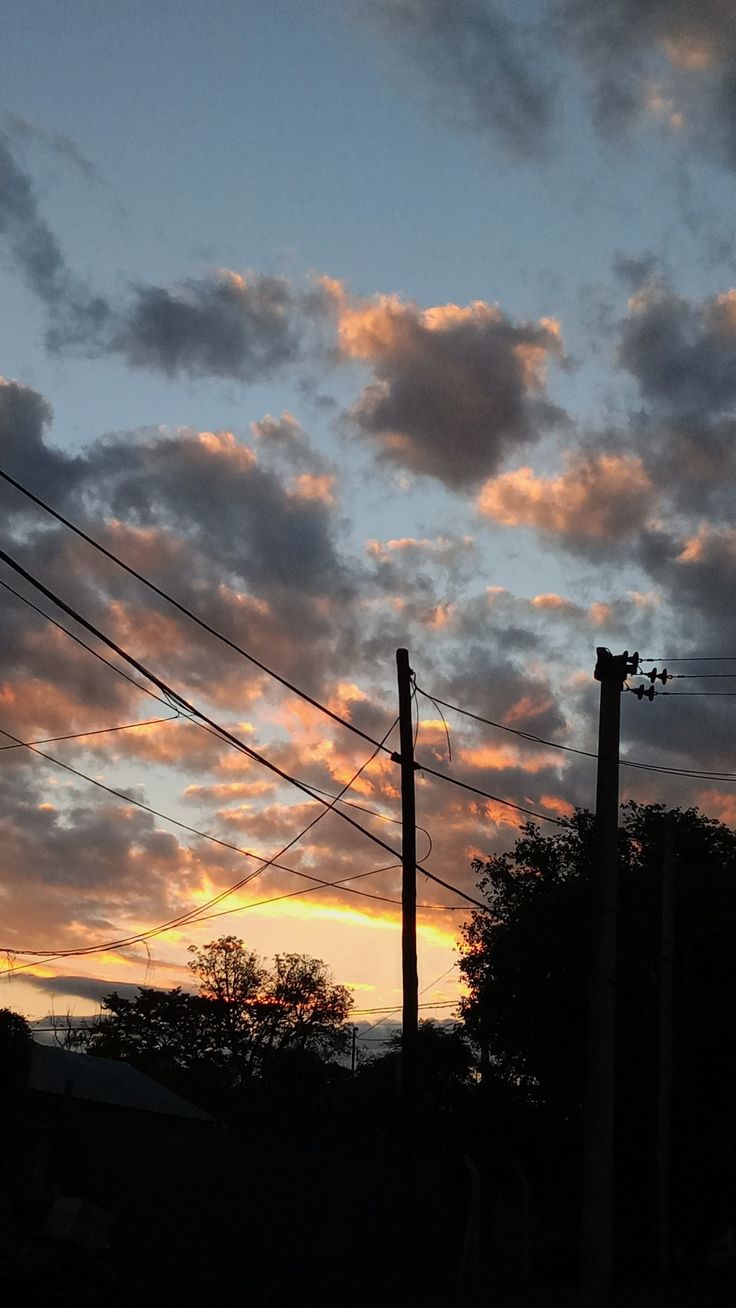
[(182, 608), (228, 736), (696, 658), (81, 735), (196, 915), (701, 676), (717, 694), (48, 740), (696, 774), (476, 790), (72, 636), (193, 914), (423, 991), (369, 1012)]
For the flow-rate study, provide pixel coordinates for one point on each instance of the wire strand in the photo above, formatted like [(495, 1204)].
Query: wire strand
[(696, 774), (81, 735), (224, 734), (182, 608), (72, 636)]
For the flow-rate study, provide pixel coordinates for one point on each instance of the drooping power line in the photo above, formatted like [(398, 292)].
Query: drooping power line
[(182, 608)]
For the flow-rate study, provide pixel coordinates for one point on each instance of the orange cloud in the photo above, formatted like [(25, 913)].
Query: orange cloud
[(314, 486), (691, 53), (599, 500)]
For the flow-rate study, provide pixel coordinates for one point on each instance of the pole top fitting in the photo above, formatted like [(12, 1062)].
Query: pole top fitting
[(615, 667)]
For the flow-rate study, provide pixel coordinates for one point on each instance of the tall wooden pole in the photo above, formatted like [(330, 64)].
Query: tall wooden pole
[(598, 1179), (664, 1107), (409, 978)]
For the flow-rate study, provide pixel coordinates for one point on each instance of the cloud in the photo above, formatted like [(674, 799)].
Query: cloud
[(62, 145), (601, 500), (483, 68), (24, 417), (224, 325), (493, 73), (31, 242), (671, 60), (682, 353), (455, 390), (81, 987)]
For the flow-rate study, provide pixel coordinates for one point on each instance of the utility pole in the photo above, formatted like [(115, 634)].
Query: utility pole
[(611, 671), (410, 983), (664, 1105), (354, 1050)]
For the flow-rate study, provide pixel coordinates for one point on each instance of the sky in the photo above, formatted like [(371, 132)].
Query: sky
[(407, 323)]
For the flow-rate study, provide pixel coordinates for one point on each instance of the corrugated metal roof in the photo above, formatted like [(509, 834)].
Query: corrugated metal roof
[(105, 1081)]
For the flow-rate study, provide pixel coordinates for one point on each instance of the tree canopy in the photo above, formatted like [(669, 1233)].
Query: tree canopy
[(243, 1018), (526, 963)]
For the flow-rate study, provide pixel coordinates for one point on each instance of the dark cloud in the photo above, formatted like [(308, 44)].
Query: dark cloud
[(81, 987), (682, 353), (489, 71), (62, 145), (456, 389), (671, 58), (24, 416), (225, 325), (31, 242), (483, 67), (694, 463), (635, 271)]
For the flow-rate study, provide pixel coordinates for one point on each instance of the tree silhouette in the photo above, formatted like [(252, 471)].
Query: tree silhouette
[(240, 1027), (526, 964)]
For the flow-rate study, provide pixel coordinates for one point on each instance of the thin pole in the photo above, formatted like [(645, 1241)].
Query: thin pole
[(409, 978), (664, 1106), (598, 1179), (353, 1050)]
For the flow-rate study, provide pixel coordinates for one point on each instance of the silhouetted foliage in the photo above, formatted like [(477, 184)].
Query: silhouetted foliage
[(248, 1023), (15, 1050), (526, 963)]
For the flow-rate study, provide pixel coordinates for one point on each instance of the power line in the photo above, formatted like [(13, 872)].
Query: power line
[(701, 676), (697, 774), (700, 658), (228, 736), (368, 1012), (180, 700), (717, 694), (52, 739), (72, 636), (193, 914), (196, 915), (80, 735), (476, 790), (182, 608), (423, 991), (205, 835), (354, 1012)]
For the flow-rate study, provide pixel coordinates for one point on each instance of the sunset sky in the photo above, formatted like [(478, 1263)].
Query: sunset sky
[(352, 326)]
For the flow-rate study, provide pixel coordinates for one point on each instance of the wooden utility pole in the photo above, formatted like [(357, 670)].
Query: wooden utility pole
[(409, 978), (611, 671), (664, 1105)]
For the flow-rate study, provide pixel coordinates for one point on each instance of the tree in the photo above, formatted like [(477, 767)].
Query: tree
[(296, 1004), (234, 981), (15, 1051), (244, 1021), (159, 1030), (526, 965), (308, 1009)]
